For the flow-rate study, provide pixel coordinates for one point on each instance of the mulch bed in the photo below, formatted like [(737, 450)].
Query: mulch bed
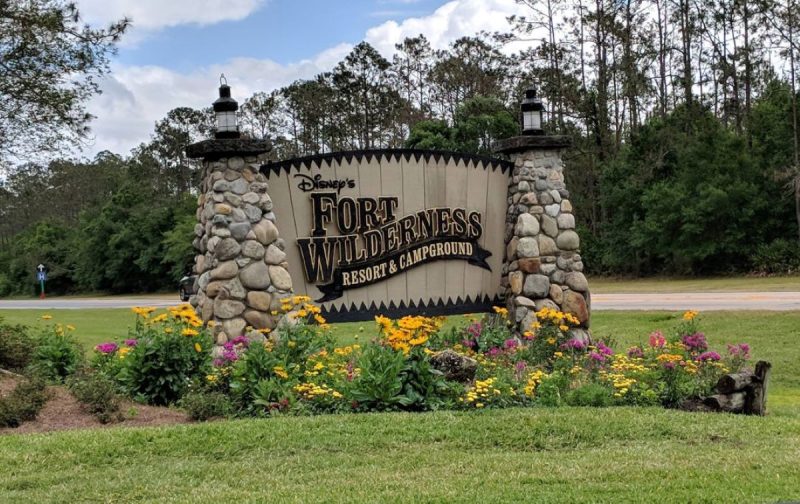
[(63, 412)]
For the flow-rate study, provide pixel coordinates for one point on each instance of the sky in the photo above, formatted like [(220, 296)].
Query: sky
[(176, 49)]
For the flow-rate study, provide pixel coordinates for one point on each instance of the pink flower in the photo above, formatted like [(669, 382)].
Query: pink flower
[(131, 342), (241, 340), (669, 365), (708, 356), (695, 342), (597, 357), (494, 351), (657, 340), (603, 349), (574, 344), (511, 343), (106, 348), (635, 352), (741, 350)]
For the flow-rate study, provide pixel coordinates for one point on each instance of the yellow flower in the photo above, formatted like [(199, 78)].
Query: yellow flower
[(503, 312), (189, 332), (70, 327), (198, 348), (291, 344), (122, 352), (690, 315), (551, 341), (280, 371), (211, 378), (46, 317), (563, 328), (168, 330)]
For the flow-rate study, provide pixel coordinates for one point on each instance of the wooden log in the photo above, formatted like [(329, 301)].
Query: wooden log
[(734, 382), (757, 396), (731, 403)]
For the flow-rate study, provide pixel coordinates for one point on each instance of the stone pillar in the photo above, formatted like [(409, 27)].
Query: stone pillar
[(543, 266), (241, 264)]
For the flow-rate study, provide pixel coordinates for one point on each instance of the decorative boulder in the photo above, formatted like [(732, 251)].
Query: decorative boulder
[(454, 366)]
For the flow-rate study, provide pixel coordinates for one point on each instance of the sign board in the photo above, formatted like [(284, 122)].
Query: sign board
[(393, 231), (41, 276)]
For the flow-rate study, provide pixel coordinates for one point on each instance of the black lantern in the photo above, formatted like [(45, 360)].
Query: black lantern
[(225, 110), (532, 109)]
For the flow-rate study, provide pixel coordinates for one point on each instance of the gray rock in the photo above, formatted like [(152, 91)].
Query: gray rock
[(566, 206), (236, 163), (227, 308), (211, 246), (227, 249), (527, 247), (556, 294), (568, 240), (235, 289), (238, 215), (253, 249), (255, 276), (280, 278), (454, 366), (266, 232), (527, 225), (555, 195), (547, 269), (251, 198), (536, 286), (577, 282), (222, 186), (549, 226), (525, 302), (198, 229), (274, 255), (547, 246), (239, 230), (243, 261), (234, 327), (233, 199), (527, 323), (203, 280), (259, 300), (545, 198), (231, 175), (546, 303), (253, 213), (220, 220), (257, 319), (552, 210), (239, 186), (259, 187), (511, 248), (265, 203), (515, 279), (566, 221), (224, 271)]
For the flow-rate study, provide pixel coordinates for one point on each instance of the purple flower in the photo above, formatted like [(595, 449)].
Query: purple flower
[(511, 343), (228, 345), (696, 342), (494, 351), (218, 363), (604, 349), (241, 340), (741, 350), (574, 344), (469, 343), (597, 357), (106, 348), (635, 352), (475, 329), (131, 342), (521, 365), (669, 365), (708, 356)]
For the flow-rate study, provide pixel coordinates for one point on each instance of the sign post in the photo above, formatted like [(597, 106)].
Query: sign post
[(41, 276)]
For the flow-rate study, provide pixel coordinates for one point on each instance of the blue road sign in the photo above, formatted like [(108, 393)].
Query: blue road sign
[(41, 276)]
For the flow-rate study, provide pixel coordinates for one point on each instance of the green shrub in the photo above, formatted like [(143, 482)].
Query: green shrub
[(781, 257), (16, 347), (57, 355), (591, 394), (97, 395), (24, 402), (202, 405)]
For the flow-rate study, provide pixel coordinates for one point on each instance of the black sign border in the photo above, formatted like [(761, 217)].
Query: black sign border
[(317, 160), (359, 313)]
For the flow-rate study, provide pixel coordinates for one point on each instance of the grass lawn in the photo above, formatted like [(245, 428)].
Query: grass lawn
[(716, 284), (530, 455)]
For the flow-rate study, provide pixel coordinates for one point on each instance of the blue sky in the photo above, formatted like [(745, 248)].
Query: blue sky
[(176, 50), (282, 30)]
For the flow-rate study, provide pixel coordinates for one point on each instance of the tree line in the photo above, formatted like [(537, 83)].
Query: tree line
[(683, 116)]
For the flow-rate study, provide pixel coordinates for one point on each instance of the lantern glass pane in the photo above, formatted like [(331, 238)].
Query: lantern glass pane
[(536, 120), (226, 121)]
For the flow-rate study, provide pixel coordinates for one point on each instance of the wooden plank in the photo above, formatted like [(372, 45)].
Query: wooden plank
[(392, 185), (413, 201), (435, 196), (456, 197), (286, 223), (348, 170), (494, 229), (477, 183)]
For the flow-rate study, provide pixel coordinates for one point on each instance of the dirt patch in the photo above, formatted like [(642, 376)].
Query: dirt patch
[(63, 412)]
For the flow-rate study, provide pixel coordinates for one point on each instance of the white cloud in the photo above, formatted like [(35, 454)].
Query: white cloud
[(135, 97), (448, 23), (155, 14)]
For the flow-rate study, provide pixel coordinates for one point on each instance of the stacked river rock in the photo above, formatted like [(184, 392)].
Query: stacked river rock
[(543, 267), (241, 265)]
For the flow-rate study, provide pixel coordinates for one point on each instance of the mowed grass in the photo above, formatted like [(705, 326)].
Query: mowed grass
[(516, 455), (601, 285)]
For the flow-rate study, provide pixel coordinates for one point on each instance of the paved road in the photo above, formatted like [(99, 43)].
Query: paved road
[(703, 301)]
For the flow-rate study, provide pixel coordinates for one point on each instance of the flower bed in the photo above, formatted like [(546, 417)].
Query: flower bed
[(298, 369)]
